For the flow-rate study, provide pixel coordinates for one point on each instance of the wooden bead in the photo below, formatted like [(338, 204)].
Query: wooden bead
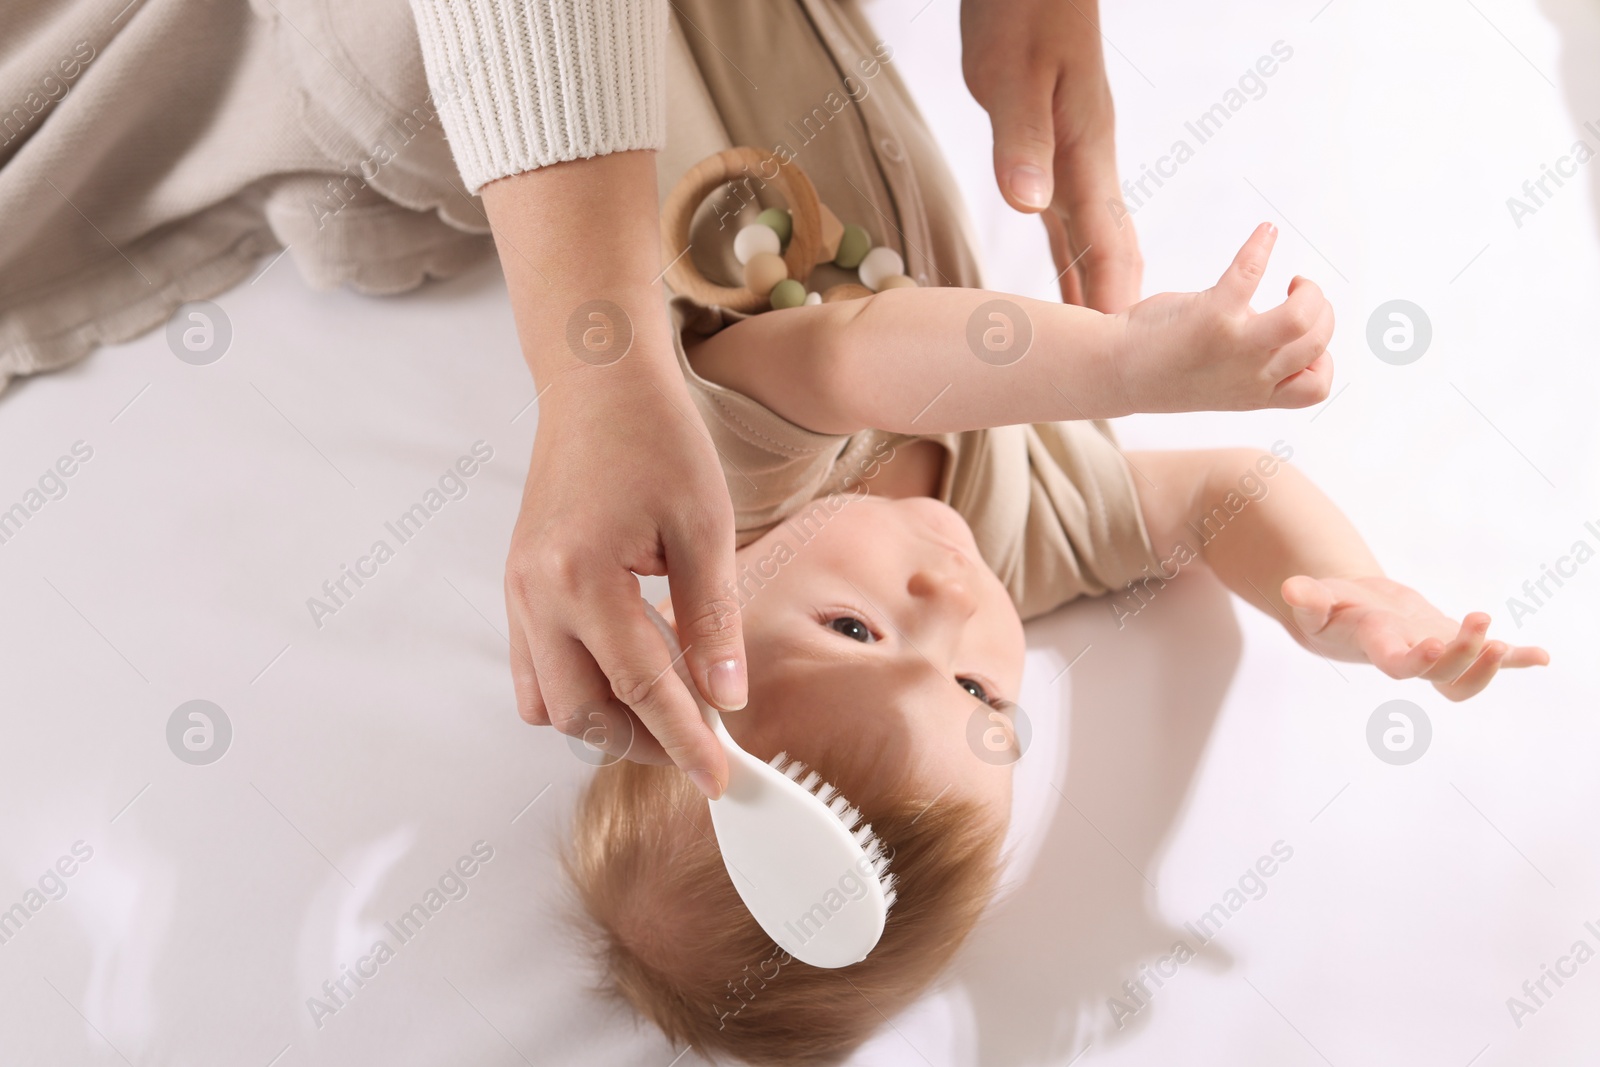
[(764, 270), (879, 264), (780, 222), (735, 165), (813, 299), (845, 291), (854, 244), (832, 230), (897, 281), (755, 238)]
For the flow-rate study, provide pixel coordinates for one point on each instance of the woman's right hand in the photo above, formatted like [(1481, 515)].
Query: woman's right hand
[(624, 481)]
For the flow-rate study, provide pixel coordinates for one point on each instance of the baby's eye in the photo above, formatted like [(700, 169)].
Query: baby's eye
[(852, 628), (977, 690)]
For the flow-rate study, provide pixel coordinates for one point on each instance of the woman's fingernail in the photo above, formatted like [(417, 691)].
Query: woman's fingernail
[(1031, 186), (726, 681), (707, 783)]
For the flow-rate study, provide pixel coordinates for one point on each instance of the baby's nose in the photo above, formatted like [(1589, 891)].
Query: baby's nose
[(946, 586)]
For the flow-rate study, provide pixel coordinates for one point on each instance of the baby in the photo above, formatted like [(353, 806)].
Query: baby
[(882, 592)]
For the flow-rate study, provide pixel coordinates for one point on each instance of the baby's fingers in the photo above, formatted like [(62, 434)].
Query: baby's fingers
[(1303, 351), (1526, 656), (1239, 281), (1306, 387), (1395, 657), (1460, 653), (1292, 319), (1480, 674)]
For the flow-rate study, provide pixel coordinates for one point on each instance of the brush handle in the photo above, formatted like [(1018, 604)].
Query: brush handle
[(710, 714)]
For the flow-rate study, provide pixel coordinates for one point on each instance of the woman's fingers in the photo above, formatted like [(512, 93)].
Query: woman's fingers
[(1109, 268), (524, 679), (581, 705), (1068, 277), (609, 732), (633, 658)]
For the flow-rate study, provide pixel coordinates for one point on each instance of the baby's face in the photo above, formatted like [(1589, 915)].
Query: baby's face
[(875, 626)]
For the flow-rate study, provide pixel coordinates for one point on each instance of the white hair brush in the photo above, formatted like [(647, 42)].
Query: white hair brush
[(813, 875)]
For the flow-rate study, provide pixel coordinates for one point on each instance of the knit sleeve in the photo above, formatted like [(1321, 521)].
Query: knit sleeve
[(521, 84)]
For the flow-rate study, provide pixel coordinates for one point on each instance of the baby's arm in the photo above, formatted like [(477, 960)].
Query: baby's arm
[(1276, 540), (908, 360)]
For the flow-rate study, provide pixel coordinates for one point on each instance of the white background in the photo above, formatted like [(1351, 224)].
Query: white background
[(370, 753)]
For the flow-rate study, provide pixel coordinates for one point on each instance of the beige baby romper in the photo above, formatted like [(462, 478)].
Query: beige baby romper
[(1052, 506)]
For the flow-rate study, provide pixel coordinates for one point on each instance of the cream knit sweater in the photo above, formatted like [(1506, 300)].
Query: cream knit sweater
[(521, 84)]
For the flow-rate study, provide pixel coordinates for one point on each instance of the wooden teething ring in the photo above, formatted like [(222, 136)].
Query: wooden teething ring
[(733, 164)]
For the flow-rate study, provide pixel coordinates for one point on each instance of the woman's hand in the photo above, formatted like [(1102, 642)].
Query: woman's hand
[(1038, 69), (1211, 352), (623, 479)]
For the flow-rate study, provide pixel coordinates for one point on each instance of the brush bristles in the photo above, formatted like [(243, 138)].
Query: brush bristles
[(846, 813)]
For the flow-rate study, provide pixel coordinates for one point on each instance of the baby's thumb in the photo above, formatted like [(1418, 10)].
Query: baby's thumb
[(1243, 275)]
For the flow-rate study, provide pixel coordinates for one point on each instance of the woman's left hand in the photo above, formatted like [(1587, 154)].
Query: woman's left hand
[(1038, 69)]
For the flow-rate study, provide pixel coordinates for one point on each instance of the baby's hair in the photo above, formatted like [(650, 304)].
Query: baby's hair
[(672, 938)]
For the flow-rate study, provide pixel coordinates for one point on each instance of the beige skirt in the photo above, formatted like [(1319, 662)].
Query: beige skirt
[(154, 152)]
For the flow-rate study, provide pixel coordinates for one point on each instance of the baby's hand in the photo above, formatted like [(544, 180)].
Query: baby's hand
[(1383, 622), (1210, 352)]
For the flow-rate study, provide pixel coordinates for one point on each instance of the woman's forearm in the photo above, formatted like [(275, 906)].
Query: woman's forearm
[(923, 361), (580, 246)]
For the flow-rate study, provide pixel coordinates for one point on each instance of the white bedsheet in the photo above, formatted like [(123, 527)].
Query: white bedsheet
[(375, 746)]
